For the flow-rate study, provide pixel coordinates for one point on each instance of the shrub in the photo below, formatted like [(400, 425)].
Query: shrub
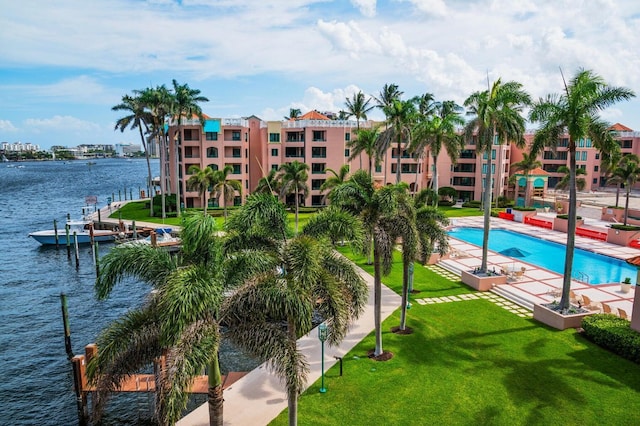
[(625, 227), (446, 203), (613, 333), (504, 202), (472, 203), (566, 216), (524, 209)]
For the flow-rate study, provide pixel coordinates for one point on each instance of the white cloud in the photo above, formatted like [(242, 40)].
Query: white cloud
[(366, 7), (430, 7), (59, 122), (7, 126)]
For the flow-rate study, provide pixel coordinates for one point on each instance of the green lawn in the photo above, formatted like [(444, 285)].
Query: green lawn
[(460, 212), (473, 363)]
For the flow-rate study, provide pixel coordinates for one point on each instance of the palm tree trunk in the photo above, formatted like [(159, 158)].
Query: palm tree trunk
[(487, 211), (163, 183), (405, 292), (434, 180), (626, 204), (149, 175), (399, 162), (571, 229), (215, 393), (292, 391), (377, 300), (296, 194), (617, 193)]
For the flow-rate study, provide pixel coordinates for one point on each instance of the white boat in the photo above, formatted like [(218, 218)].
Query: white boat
[(79, 229), (163, 238)]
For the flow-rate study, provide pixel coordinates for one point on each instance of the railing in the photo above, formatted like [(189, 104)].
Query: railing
[(299, 124), (505, 215), (530, 220), (590, 233)]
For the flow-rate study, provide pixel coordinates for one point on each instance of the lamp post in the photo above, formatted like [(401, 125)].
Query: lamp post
[(322, 335)]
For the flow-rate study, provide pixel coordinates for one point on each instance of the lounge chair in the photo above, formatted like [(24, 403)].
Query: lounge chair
[(589, 304), (606, 309), (622, 313)]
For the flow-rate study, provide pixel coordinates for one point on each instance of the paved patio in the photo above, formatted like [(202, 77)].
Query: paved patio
[(536, 284)]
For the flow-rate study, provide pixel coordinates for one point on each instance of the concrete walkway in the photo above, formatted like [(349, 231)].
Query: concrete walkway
[(259, 397)]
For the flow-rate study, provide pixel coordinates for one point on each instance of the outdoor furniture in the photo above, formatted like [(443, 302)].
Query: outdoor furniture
[(589, 304), (622, 313), (606, 308)]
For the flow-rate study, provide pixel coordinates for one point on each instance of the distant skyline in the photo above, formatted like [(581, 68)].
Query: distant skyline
[(64, 64)]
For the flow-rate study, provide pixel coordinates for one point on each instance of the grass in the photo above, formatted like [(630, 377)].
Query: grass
[(460, 212), (473, 362)]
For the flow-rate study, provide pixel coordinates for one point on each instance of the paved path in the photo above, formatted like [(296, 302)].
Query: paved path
[(259, 397)]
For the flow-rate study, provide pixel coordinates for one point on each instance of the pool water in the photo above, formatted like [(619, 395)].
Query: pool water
[(589, 267)]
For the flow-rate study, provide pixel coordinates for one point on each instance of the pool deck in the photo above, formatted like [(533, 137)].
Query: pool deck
[(536, 284)]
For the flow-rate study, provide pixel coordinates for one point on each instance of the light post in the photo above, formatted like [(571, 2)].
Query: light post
[(322, 335)]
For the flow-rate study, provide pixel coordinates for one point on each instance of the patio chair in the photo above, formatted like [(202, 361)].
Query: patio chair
[(587, 303), (622, 313), (606, 309)]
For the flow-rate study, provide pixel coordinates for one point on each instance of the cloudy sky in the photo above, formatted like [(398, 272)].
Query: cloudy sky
[(65, 63)]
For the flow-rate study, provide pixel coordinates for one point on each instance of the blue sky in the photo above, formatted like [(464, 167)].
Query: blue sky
[(64, 64)]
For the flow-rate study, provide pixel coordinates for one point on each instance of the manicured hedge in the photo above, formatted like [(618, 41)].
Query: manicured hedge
[(472, 203), (613, 333), (625, 227)]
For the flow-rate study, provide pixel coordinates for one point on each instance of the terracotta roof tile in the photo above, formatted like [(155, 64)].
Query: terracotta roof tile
[(635, 261), (313, 115), (620, 128)]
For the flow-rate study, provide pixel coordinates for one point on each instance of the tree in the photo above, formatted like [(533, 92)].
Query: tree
[(294, 114), (282, 283), (268, 184), (366, 141), (225, 188), (200, 181), (379, 211), (358, 107), (627, 173), (293, 177), (528, 164), (436, 128), (565, 180), (400, 119), (497, 118), (185, 103), (179, 320), (575, 112), (338, 178), (138, 118)]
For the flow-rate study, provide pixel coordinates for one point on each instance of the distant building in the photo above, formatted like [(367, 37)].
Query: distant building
[(19, 147), (127, 150)]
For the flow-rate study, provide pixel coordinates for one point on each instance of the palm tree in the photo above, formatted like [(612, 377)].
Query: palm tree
[(225, 188), (338, 178), (293, 177), (575, 112), (400, 118), (268, 184), (388, 94), (185, 103), (433, 131), (497, 119), (528, 164), (366, 141), (179, 320), (627, 173), (200, 181), (282, 283), (294, 113), (565, 180), (138, 118), (358, 107), (379, 211)]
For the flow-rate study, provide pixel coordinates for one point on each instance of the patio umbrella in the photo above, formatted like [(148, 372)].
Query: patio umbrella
[(515, 252)]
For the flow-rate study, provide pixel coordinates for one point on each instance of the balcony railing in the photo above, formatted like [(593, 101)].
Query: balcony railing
[(299, 124)]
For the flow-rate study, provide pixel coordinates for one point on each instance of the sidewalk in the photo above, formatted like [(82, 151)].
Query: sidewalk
[(259, 397)]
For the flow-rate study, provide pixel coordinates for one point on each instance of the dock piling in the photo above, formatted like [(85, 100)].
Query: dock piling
[(66, 229), (55, 231), (65, 323), (75, 244)]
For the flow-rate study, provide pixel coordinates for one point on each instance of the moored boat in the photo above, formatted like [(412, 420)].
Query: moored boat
[(79, 229)]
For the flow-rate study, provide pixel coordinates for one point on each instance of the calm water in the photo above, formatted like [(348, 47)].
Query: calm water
[(35, 377), (599, 269)]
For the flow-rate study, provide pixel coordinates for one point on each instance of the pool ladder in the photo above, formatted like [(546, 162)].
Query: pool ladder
[(583, 276)]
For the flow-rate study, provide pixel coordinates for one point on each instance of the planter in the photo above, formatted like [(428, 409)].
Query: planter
[(561, 225), (483, 282), (625, 287), (622, 237), (521, 215), (556, 319)]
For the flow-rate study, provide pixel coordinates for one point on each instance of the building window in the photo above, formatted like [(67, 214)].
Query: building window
[(236, 153), (294, 152), (347, 136), (295, 137), (235, 135), (596, 168), (627, 143), (212, 152), (274, 152), (595, 181), (211, 136), (191, 135), (317, 200), (564, 142), (347, 152), (319, 152), (584, 156), (236, 169), (237, 201), (316, 183), (274, 167), (317, 167), (581, 143), (274, 137), (319, 135), (597, 155), (378, 168)]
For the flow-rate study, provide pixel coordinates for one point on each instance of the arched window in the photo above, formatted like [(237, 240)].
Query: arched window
[(212, 152)]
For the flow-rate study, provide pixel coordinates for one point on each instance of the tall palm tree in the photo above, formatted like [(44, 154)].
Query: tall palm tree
[(565, 181), (293, 177), (389, 93), (358, 107), (224, 187), (627, 173), (366, 141), (379, 211), (528, 164), (497, 119), (575, 112), (400, 119), (438, 128), (338, 178), (185, 103), (138, 118), (282, 283), (294, 113), (268, 184), (158, 101), (200, 181), (179, 320)]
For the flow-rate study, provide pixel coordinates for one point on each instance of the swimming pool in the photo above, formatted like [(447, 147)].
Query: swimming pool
[(591, 267)]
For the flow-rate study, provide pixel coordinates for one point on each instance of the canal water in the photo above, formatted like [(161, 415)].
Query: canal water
[(35, 376)]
